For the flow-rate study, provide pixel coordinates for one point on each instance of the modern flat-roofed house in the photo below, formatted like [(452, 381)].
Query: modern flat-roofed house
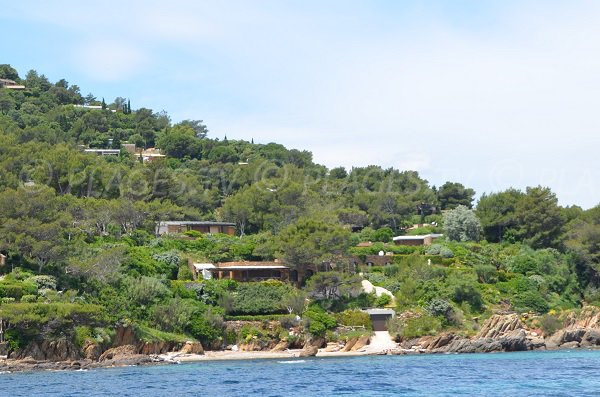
[(204, 227), (426, 239), (242, 271), (11, 84)]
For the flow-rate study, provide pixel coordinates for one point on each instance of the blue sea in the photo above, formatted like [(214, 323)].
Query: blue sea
[(557, 373)]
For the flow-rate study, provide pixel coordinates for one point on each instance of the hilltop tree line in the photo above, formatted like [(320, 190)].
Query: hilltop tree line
[(90, 221)]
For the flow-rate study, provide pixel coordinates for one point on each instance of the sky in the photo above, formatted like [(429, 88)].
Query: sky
[(491, 94)]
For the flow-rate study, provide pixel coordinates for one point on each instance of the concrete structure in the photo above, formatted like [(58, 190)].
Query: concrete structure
[(103, 152), (242, 271), (426, 239), (204, 227), (379, 318)]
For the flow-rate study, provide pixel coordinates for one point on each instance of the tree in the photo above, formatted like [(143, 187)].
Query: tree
[(312, 242), (540, 222), (461, 224), (200, 130), (451, 194), (497, 213), (334, 285), (8, 72)]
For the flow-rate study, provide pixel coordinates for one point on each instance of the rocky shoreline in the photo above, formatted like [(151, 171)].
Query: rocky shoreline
[(500, 333)]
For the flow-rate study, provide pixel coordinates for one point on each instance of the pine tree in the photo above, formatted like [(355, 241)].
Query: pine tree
[(103, 104)]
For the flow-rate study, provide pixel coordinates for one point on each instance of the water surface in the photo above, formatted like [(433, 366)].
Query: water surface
[(559, 373)]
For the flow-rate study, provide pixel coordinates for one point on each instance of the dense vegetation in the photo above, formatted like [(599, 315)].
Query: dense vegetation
[(79, 231)]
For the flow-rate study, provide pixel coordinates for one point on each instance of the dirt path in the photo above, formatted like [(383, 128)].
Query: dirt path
[(380, 342)]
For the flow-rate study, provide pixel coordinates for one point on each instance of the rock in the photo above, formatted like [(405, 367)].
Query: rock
[(498, 325), (308, 351), (125, 335), (360, 343), (515, 340), (281, 346), (332, 347), (192, 347), (590, 338), (91, 350), (118, 352), (570, 345), (565, 336), (350, 344), (536, 343)]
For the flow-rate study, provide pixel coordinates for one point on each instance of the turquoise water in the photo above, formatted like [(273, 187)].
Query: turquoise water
[(563, 373)]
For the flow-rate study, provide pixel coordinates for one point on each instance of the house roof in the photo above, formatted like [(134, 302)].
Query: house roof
[(240, 266), (198, 223), (251, 265), (420, 237)]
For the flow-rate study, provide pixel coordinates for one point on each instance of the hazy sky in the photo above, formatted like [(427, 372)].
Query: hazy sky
[(491, 94)]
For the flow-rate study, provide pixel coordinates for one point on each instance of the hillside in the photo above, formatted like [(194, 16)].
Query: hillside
[(82, 259)]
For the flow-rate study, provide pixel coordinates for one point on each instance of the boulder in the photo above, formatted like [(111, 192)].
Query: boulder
[(536, 343), (361, 342), (350, 344), (498, 325), (332, 347), (192, 347), (91, 350), (281, 346), (118, 352), (590, 338), (308, 351), (515, 340), (570, 345)]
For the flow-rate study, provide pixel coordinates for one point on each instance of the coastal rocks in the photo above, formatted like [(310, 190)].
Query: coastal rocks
[(155, 347), (281, 346), (91, 350), (124, 335), (360, 343), (591, 338), (51, 350), (311, 347), (564, 336), (332, 347), (125, 355), (498, 325), (350, 344), (191, 347), (117, 352)]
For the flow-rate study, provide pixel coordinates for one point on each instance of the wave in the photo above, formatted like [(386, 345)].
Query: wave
[(292, 362)]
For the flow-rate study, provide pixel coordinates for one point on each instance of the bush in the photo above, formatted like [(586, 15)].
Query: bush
[(354, 318), (317, 321), (260, 298), (414, 327), (486, 273), (550, 324), (43, 282), (467, 292), (184, 273), (530, 300), (382, 300), (207, 327)]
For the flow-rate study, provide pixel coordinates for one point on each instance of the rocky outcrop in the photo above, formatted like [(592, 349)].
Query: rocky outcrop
[(311, 347), (281, 346), (361, 342), (191, 347), (498, 333), (48, 350)]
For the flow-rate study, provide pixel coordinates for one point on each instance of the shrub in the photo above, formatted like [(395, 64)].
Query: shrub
[(382, 300), (207, 327), (438, 307), (530, 300), (43, 282), (29, 298), (317, 321), (550, 324), (354, 318), (184, 273), (467, 292), (260, 298), (486, 273), (414, 327)]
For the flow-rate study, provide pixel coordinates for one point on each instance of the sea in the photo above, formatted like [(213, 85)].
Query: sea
[(538, 373)]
